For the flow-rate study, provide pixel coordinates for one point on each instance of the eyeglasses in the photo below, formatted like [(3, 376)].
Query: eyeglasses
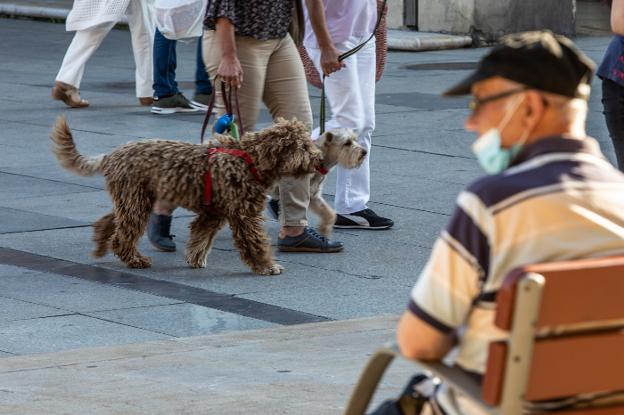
[(477, 103)]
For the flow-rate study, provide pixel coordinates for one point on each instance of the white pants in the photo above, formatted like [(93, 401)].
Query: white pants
[(85, 43), (351, 96)]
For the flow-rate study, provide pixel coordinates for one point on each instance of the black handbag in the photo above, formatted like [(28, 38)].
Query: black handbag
[(412, 400)]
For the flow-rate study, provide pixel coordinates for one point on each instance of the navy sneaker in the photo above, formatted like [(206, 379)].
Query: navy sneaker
[(364, 219), (308, 241), (158, 232)]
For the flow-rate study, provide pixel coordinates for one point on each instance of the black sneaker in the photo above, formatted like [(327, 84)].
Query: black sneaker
[(364, 219), (308, 241), (201, 101), (172, 104)]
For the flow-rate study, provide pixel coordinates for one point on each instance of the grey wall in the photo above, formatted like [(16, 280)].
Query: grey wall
[(493, 18)]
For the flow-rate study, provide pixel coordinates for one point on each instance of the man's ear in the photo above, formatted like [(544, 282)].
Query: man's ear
[(535, 108)]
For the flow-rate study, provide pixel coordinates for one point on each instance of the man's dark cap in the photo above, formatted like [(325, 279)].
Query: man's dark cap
[(540, 60)]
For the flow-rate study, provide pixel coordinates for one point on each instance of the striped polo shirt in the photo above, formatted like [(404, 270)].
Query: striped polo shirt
[(560, 200)]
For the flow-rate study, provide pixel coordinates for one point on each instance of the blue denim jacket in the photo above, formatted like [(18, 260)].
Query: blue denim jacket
[(612, 66)]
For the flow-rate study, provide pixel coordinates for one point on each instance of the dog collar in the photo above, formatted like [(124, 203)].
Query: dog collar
[(208, 176), (322, 170)]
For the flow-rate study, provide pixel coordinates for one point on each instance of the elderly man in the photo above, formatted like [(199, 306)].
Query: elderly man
[(550, 195)]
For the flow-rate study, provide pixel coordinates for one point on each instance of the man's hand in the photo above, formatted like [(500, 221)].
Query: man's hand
[(230, 71), (329, 60)]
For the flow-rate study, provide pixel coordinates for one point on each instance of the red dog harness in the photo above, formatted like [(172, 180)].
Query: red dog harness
[(208, 177), (246, 158)]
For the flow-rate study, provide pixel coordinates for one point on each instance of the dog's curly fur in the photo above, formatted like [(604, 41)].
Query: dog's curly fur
[(339, 147), (139, 173)]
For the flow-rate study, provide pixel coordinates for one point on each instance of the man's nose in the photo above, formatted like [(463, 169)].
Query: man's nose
[(471, 123)]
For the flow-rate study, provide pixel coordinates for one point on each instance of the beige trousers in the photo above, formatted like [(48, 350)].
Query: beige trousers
[(273, 75)]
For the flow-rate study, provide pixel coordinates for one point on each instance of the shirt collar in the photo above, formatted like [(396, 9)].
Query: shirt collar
[(558, 144)]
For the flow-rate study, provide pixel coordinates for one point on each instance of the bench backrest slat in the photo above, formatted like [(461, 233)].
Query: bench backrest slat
[(580, 343), (575, 292)]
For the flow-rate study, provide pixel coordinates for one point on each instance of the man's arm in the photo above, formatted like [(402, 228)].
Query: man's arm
[(417, 339), (329, 53), (617, 17), (230, 69)]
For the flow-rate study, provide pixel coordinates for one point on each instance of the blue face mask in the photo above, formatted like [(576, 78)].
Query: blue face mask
[(492, 157)]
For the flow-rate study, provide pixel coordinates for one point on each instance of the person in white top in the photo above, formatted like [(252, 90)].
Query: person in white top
[(350, 90), (92, 20)]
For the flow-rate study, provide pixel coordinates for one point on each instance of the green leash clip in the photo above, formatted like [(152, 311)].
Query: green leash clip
[(233, 127)]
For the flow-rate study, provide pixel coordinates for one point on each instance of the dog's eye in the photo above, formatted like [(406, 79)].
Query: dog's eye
[(348, 143)]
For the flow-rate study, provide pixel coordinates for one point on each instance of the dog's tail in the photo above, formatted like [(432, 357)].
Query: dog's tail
[(66, 153)]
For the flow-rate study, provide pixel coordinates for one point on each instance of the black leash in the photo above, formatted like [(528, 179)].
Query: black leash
[(345, 56)]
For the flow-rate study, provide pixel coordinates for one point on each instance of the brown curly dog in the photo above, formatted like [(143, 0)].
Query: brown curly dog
[(138, 173)]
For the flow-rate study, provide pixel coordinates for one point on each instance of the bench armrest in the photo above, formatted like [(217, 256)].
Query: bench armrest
[(379, 362)]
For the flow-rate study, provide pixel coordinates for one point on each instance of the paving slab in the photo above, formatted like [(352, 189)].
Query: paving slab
[(304, 369), (13, 310), (66, 206), (50, 334), (183, 320), (69, 294), (20, 187), (16, 220)]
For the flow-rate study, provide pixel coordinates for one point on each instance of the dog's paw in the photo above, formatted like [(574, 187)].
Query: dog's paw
[(139, 262), (197, 263), (274, 269)]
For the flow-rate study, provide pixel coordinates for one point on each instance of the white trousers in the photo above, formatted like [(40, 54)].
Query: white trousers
[(85, 43), (351, 96)]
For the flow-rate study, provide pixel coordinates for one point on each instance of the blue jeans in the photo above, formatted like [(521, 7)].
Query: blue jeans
[(165, 63)]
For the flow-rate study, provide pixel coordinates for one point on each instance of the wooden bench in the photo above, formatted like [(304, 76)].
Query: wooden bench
[(566, 338)]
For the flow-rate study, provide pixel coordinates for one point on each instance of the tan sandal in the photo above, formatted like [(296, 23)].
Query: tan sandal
[(68, 94)]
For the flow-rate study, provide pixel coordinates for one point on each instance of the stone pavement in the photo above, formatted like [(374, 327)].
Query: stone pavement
[(55, 298), (310, 370)]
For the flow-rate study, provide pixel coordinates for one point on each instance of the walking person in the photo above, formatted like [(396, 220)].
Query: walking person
[(168, 98), (248, 45), (611, 71), (350, 90), (92, 20)]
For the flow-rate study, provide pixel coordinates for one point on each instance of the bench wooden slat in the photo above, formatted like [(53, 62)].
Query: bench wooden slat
[(562, 367), (612, 410), (580, 364), (579, 291)]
